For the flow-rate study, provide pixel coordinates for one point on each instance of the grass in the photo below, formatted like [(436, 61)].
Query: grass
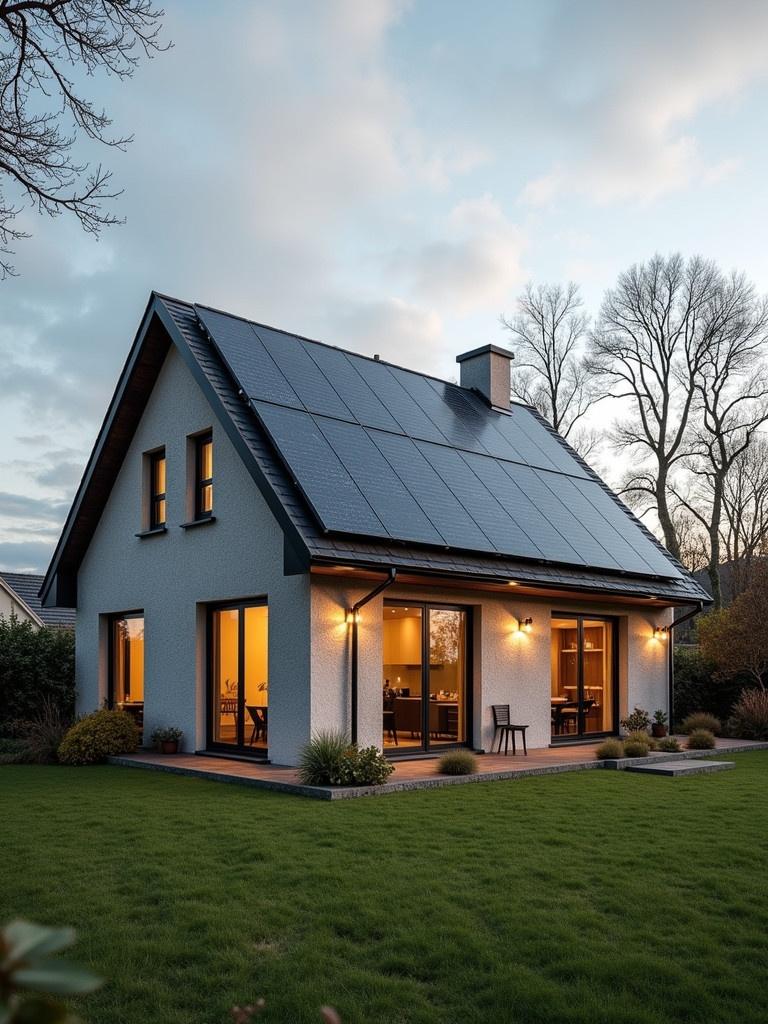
[(588, 897)]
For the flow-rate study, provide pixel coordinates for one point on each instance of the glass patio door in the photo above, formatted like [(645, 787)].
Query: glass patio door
[(424, 700), (238, 706), (583, 676)]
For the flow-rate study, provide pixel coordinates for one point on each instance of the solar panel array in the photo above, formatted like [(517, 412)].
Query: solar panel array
[(388, 453)]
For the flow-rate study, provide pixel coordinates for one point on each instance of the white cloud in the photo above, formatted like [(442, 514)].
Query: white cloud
[(476, 263), (627, 124)]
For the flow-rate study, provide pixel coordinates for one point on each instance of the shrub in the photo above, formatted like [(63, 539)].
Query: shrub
[(11, 750), (701, 739), (609, 749), (636, 748), (660, 717), (638, 721), (697, 689), (701, 720), (457, 762), (97, 736), (749, 717), (669, 745), (329, 759), (35, 665), (41, 737)]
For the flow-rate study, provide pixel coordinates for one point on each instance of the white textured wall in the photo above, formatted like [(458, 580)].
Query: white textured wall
[(509, 668), (9, 606), (173, 576)]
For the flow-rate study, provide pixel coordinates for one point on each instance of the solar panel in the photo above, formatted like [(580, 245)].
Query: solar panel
[(248, 360), (456, 525), (327, 485), (316, 392), (384, 452)]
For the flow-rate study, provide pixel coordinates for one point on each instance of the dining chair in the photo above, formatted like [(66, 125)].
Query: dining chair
[(503, 727)]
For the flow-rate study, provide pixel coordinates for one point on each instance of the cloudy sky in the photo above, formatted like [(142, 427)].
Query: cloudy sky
[(383, 175)]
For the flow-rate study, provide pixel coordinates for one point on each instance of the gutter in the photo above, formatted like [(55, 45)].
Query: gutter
[(671, 655), (354, 613)]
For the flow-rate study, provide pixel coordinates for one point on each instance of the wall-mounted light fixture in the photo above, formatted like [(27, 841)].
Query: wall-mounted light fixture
[(661, 632), (527, 625), (352, 616)]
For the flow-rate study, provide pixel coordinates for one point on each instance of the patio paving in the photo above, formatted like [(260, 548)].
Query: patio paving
[(412, 774)]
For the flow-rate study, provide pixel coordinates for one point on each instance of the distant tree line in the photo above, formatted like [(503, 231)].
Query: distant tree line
[(684, 347)]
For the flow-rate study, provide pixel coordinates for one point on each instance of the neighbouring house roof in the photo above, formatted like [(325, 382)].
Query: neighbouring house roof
[(366, 464), (25, 587)]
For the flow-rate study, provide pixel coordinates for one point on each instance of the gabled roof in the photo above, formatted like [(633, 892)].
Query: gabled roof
[(372, 465), (25, 587)]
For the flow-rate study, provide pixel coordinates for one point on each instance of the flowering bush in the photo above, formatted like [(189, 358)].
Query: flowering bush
[(638, 721), (97, 736)]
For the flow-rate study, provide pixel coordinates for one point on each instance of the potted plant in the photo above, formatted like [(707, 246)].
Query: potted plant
[(167, 739), (659, 727)]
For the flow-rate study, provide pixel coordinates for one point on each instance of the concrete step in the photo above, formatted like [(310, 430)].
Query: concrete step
[(675, 768)]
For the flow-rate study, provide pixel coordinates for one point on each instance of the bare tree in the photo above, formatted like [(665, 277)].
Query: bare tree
[(647, 349), (731, 404), (745, 506), (549, 371), (44, 44)]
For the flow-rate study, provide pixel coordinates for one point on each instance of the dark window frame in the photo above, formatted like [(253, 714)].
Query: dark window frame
[(581, 735), (240, 748), (427, 749), (156, 497), (202, 482)]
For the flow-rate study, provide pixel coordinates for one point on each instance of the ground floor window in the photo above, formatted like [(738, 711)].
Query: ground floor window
[(425, 703), (238, 706), (583, 675), (126, 664)]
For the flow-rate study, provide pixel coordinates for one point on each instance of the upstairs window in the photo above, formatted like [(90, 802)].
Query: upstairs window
[(157, 506), (204, 476)]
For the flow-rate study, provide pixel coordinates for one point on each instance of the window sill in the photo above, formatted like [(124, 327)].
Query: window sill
[(198, 522), (156, 531)]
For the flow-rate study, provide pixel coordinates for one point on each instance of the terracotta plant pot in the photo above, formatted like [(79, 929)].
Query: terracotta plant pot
[(169, 747), (658, 730)]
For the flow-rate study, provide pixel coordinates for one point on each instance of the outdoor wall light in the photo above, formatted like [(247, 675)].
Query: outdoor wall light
[(661, 632), (352, 617), (527, 625)]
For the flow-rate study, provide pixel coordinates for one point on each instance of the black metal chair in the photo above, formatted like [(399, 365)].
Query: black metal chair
[(258, 716), (390, 725), (503, 727)]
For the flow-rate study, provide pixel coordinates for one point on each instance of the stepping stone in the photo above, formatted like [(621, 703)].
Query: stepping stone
[(674, 768)]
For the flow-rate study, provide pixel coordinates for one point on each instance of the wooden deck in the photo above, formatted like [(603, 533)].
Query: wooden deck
[(411, 774)]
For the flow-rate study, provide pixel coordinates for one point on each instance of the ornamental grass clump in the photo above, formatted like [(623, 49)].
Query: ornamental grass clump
[(609, 750), (641, 737), (104, 733), (749, 717), (669, 744), (636, 748), (329, 759), (701, 739), (701, 720), (457, 762)]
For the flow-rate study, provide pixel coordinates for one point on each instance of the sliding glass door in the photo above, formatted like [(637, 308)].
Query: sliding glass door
[(425, 680), (238, 703), (583, 659)]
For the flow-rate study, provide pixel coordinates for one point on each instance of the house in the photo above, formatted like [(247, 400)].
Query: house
[(275, 537), (19, 596)]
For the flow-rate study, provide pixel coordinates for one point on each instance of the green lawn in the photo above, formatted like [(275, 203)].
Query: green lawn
[(587, 897)]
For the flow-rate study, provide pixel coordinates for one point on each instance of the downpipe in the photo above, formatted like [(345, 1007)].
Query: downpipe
[(671, 655)]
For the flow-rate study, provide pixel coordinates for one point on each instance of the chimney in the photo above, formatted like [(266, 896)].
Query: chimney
[(487, 370)]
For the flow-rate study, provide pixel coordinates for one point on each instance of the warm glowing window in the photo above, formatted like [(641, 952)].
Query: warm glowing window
[(204, 477), (157, 506), (127, 669)]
